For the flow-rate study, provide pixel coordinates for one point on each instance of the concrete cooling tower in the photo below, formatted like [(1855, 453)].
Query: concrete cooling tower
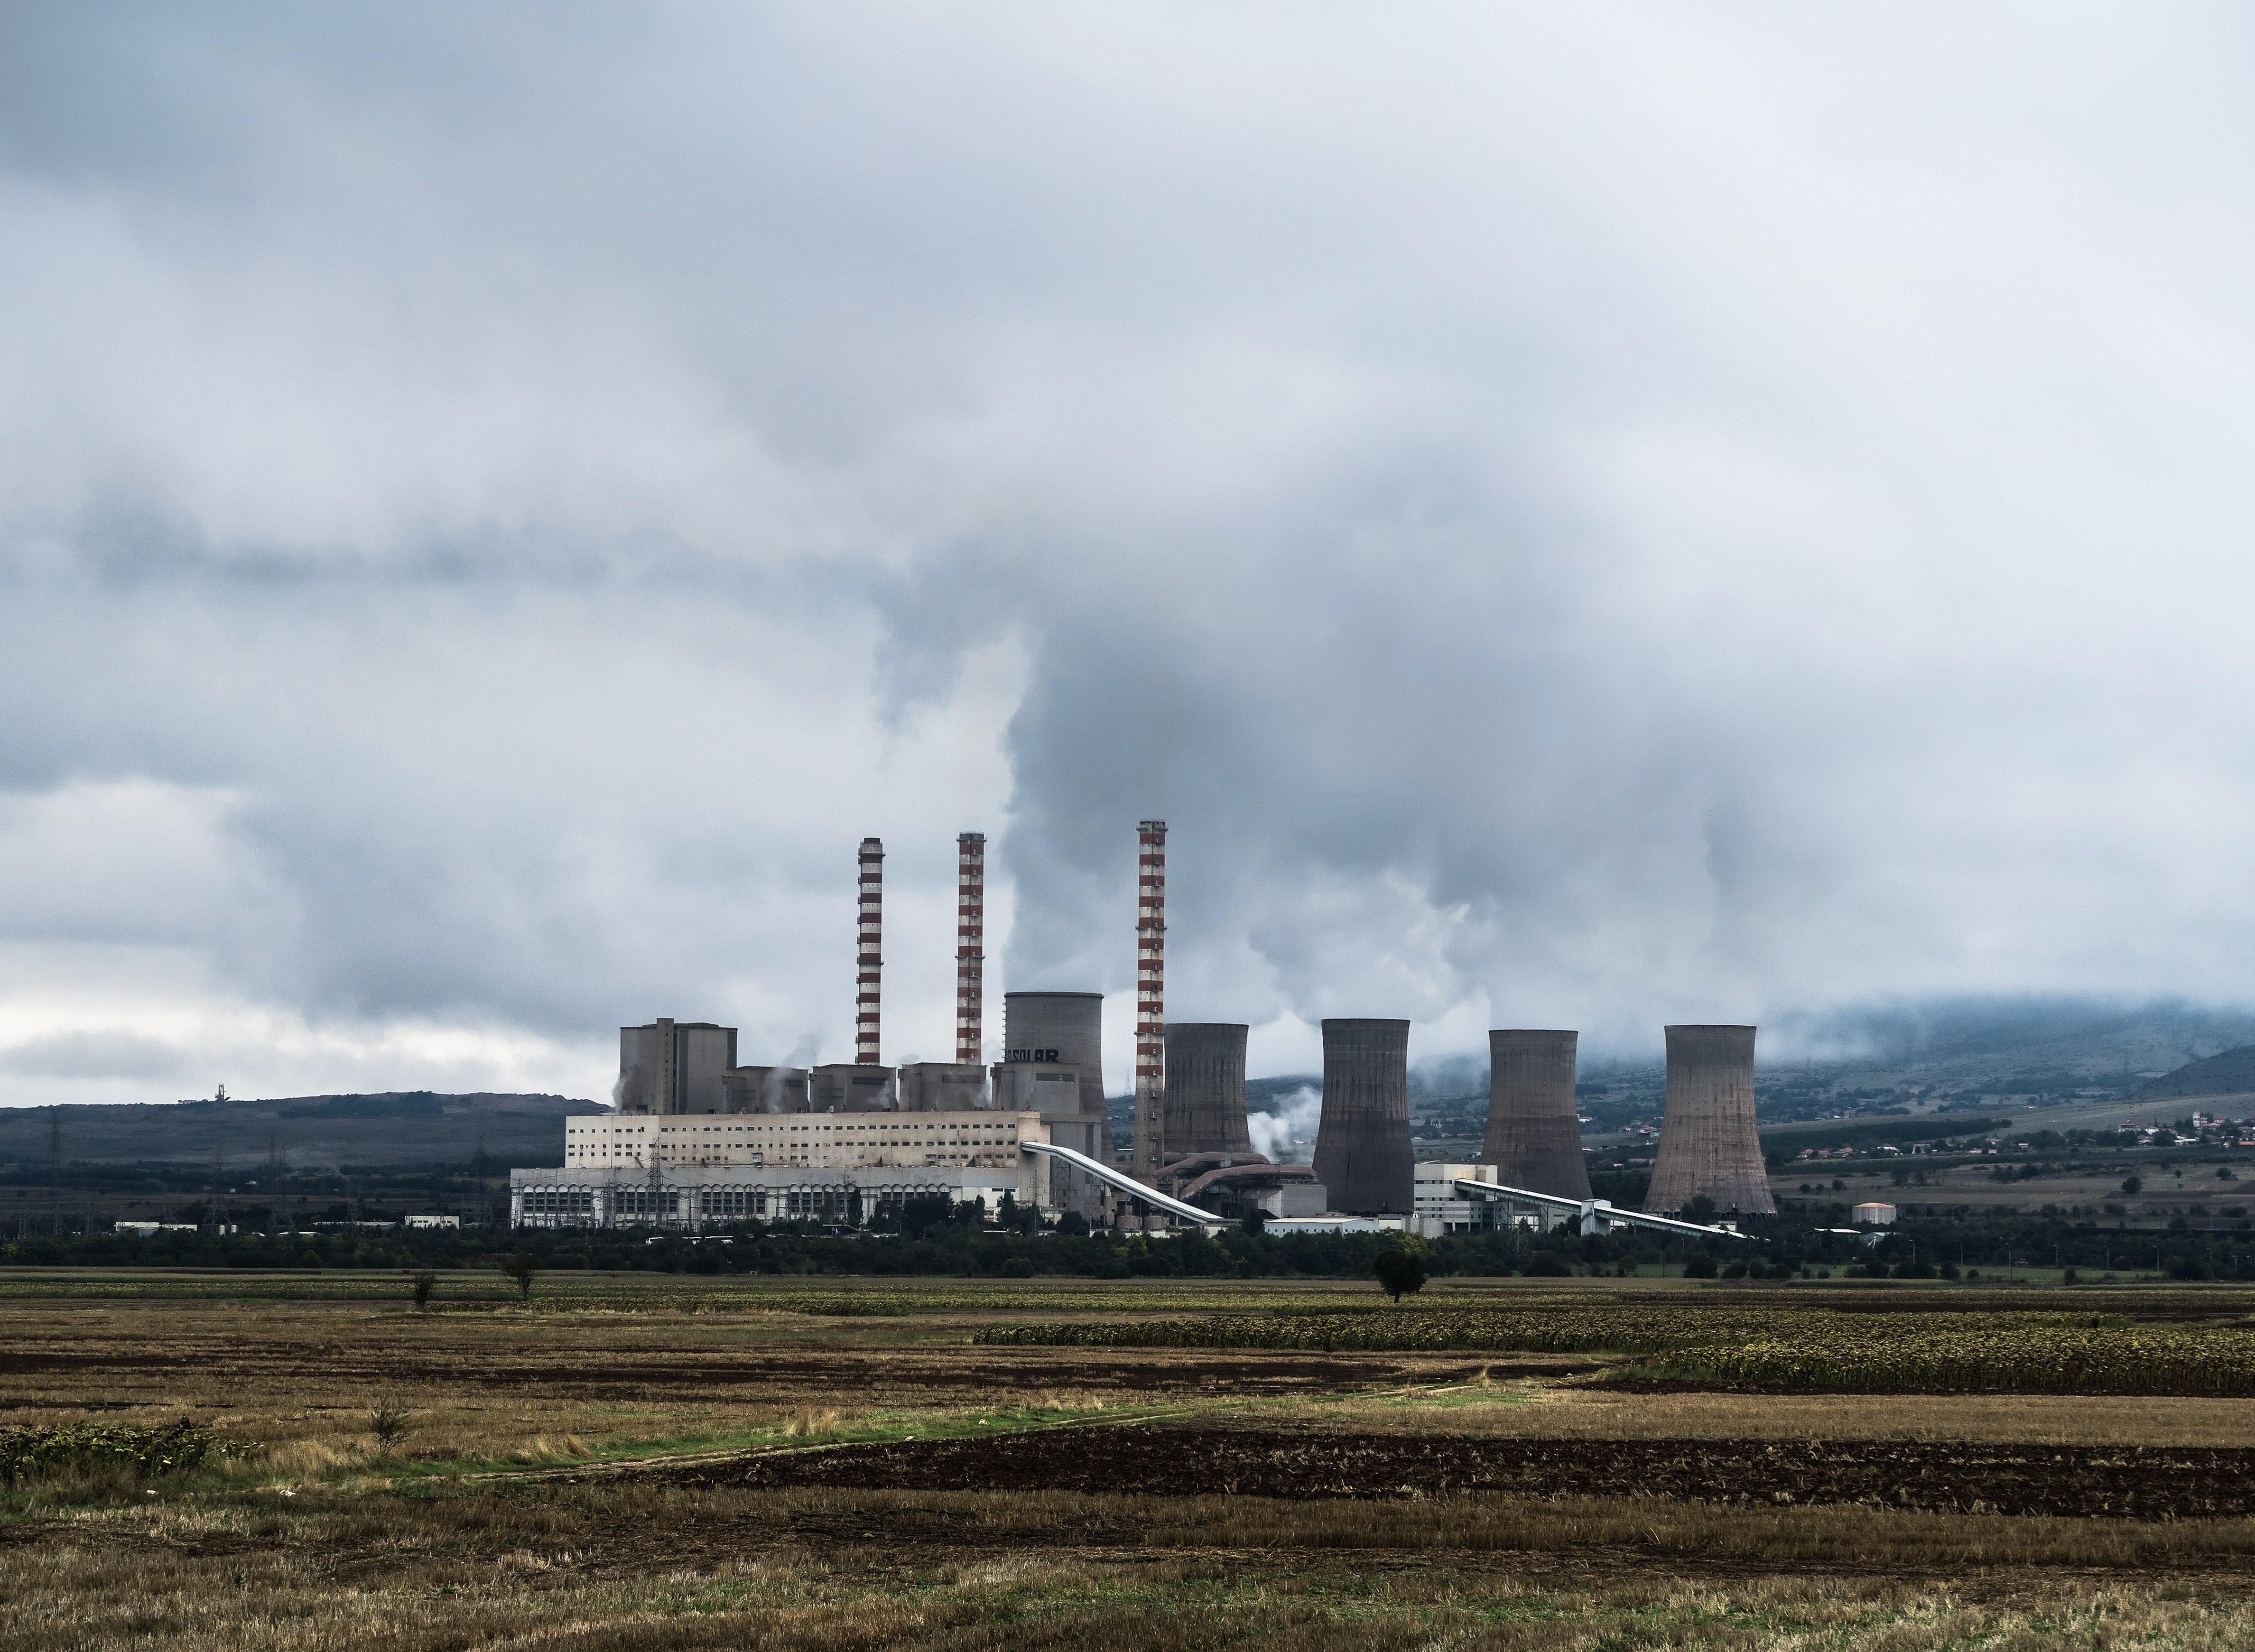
[(1205, 1089), (1362, 1146), (1070, 1027), (1707, 1140), (1533, 1139), (1067, 1029)]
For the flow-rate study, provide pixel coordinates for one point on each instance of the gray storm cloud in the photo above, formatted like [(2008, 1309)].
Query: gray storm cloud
[(1579, 517)]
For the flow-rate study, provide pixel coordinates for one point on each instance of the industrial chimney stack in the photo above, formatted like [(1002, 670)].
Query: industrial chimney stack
[(1150, 999), (867, 1001), (970, 946), (1362, 1146), (1533, 1136), (1707, 1140)]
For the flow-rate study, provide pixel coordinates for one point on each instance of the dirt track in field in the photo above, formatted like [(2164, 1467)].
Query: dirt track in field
[(2143, 1483)]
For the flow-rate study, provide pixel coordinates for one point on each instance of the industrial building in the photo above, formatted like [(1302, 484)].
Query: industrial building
[(659, 1171), (674, 1066), (1708, 1145), (762, 1090)]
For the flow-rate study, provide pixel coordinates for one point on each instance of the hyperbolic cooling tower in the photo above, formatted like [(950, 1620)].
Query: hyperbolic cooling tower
[(1205, 1088), (1362, 1146), (1533, 1138), (1707, 1140)]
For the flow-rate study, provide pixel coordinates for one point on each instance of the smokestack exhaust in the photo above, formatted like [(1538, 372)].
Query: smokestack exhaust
[(1150, 999), (1707, 1140), (868, 1005), (970, 946)]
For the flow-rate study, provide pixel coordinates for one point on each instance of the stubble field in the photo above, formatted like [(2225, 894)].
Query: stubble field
[(643, 1460)]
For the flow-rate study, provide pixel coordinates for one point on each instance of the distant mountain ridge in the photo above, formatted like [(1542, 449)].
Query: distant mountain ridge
[(2231, 1072), (398, 1126)]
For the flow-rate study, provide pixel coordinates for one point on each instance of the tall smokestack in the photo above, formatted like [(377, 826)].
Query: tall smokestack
[(1707, 1140), (970, 946), (1362, 1146), (1534, 1137), (1205, 1088), (1151, 1147), (868, 998)]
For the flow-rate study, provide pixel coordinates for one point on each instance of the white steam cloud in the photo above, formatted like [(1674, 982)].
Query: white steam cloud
[(1288, 1135)]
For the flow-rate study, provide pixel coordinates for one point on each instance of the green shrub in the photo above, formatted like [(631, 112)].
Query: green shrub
[(152, 1453)]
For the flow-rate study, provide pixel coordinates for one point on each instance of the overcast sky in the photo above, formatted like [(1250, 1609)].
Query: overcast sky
[(1577, 516)]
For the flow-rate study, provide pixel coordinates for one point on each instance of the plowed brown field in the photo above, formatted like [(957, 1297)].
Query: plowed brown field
[(2134, 1482)]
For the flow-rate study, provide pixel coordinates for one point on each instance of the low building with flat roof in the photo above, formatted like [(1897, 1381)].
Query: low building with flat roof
[(694, 1171)]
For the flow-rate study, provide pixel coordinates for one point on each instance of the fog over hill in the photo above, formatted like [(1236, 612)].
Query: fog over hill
[(1921, 1056)]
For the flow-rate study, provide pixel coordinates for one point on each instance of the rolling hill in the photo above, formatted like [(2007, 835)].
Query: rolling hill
[(398, 1127)]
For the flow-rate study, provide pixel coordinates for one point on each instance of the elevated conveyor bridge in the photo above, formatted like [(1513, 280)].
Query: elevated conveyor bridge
[(1126, 1184), (1598, 1215)]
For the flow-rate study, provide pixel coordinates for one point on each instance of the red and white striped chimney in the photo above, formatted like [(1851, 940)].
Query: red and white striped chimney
[(1150, 998), (868, 999), (970, 946)]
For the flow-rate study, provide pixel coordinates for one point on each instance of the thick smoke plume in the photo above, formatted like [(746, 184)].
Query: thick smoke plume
[(1580, 517)]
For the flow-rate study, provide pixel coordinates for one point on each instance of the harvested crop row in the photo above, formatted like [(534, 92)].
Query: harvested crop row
[(1593, 1329), (2016, 1359), (1807, 1350)]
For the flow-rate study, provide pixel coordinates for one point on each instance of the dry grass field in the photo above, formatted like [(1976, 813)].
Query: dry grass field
[(654, 1461)]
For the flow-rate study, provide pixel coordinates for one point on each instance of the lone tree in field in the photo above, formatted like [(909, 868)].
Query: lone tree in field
[(424, 1283), (522, 1267), (1399, 1269)]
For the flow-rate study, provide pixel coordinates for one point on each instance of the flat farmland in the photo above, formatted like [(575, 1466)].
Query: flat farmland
[(643, 1460), (2199, 1192)]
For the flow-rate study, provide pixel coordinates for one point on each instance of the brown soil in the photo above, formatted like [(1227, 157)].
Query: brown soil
[(2136, 1482), (941, 1375)]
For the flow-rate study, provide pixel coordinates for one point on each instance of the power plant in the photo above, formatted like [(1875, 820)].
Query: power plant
[(1708, 1146), (697, 1138), (1362, 1144), (1533, 1132)]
